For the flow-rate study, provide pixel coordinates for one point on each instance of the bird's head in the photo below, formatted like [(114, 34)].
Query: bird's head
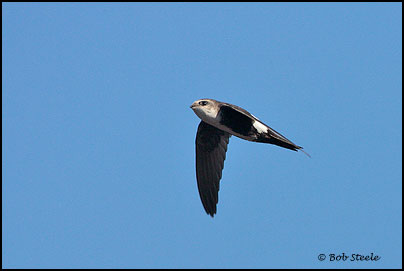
[(205, 109)]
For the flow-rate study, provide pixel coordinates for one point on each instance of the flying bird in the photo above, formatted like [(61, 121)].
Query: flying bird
[(219, 121)]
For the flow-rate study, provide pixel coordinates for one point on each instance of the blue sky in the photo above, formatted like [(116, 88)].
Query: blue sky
[(98, 138)]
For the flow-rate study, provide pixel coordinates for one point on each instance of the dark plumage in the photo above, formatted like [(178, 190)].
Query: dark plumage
[(239, 122), (211, 146)]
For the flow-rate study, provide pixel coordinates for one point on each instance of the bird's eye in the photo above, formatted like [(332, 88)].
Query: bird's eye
[(203, 103)]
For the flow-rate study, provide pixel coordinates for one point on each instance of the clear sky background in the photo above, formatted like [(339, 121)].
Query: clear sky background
[(98, 138)]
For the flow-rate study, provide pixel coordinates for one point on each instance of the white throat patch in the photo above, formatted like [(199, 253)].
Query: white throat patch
[(207, 115)]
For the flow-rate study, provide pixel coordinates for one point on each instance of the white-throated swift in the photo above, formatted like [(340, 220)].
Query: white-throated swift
[(219, 122)]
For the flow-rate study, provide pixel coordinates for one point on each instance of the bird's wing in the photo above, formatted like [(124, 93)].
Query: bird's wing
[(211, 146), (242, 116), (240, 110)]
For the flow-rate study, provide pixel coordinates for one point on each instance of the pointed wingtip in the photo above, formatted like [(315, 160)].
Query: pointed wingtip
[(301, 149), (211, 214)]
